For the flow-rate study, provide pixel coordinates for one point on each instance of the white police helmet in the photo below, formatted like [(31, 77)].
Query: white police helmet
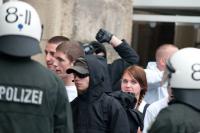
[(20, 29), (184, 76), (185, 69)]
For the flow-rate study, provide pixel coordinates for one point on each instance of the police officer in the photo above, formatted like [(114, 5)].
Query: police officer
[(183, 114), (32, 99)]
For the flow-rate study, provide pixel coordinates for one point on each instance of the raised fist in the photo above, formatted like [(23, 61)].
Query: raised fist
[(103, 36)]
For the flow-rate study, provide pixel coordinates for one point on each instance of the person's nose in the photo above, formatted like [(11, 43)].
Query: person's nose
[(128, 84), (55, 62), (48, 57)]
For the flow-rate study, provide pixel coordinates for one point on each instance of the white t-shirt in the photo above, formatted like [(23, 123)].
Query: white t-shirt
[(141, 106), (152, 112), (71, 92), (155, 91)]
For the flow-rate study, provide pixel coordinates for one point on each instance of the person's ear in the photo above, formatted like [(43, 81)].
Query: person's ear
[(162, 62)]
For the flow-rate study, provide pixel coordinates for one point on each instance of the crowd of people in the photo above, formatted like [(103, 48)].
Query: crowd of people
[(78, 91)]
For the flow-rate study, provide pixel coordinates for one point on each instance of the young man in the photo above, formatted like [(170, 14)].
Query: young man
[(154, 73), (50, 49), (32, 98), (93, 110), (65, 55)]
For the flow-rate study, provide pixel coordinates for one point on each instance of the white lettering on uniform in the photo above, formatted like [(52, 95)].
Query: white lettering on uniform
[(27, 96), (9, 93), (21, 95), (15, 95), (40, 97), (35, 96), (2, 91)]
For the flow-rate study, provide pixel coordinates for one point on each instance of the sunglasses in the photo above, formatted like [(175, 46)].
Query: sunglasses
[(81, 75)]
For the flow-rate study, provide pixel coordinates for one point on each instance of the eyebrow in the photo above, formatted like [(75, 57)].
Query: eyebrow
[(60, 59)]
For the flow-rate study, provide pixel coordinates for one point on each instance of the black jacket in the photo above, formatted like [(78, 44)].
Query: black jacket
[(95, 111), (32, 99), (128, 102), (128, 57), (177, 118)]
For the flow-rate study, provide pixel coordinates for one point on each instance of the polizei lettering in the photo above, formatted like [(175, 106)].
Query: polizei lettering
[(21, 95)]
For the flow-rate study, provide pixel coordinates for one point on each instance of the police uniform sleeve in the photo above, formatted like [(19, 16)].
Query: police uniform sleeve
[(163, 123), (62, 114)]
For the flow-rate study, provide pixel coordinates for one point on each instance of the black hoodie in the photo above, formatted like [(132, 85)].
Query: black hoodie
[(95, 111), (128, 101)]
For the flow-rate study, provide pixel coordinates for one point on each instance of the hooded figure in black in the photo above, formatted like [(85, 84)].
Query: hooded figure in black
[(128, 101), (93, 110), (115, 69)]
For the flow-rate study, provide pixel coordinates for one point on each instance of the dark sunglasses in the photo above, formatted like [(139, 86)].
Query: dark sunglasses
[(81, 75)]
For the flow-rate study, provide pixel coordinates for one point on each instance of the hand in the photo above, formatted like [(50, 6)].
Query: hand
[(103, 36)]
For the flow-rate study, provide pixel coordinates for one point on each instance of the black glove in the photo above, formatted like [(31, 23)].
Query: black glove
[(103, 36)]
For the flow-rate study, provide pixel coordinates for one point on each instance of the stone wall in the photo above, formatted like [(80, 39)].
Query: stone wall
[(81, 19)]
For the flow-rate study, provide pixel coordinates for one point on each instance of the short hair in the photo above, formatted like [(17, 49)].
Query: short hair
[(139, 74), (165, 51), (57, 40), (71, 49)]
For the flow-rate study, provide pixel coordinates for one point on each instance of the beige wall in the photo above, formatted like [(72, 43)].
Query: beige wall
[(81, 19)]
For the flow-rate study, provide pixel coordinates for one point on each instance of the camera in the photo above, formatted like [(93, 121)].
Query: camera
[(94, 47), (88, 48)]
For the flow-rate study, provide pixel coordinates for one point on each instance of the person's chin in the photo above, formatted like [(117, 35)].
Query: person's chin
[(52, 68), (63, 76), (130, 91), (78, 85)]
